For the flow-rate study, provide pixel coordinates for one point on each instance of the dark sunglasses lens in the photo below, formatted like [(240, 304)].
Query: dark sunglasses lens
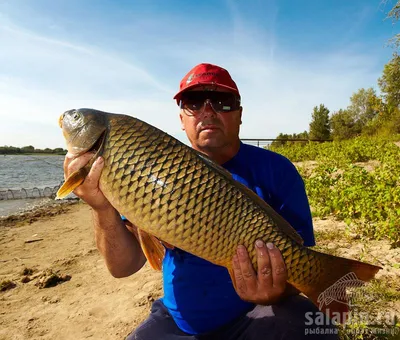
[(192, 101), (224, 102), (220, 101)]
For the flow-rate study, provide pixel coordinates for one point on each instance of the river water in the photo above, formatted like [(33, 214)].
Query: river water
[(27, 174)]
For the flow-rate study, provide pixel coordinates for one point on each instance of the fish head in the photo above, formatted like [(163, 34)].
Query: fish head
[(83, 129)]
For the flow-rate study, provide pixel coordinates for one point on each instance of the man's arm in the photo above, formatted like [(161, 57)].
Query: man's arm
[(118, 244)]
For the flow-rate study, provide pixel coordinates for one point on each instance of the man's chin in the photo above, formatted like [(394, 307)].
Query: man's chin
[(211, 143)]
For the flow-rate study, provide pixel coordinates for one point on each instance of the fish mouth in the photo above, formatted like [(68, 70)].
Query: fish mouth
[(97, 146), (60, 120)]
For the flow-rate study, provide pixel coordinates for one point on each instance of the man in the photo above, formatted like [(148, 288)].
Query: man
[(200, 301)]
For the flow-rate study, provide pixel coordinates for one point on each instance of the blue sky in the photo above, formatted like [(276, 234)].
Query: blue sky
[(286, 57)]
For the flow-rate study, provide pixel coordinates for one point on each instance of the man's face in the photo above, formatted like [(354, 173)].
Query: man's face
[(206, 128)]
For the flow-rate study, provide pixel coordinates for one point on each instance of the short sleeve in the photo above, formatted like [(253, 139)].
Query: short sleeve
[(294, 206)]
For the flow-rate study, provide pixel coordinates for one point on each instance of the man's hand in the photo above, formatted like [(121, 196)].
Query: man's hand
[(266, 286), (89, 190)]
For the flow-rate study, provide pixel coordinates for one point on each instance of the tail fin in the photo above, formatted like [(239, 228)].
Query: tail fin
[(337, 274)]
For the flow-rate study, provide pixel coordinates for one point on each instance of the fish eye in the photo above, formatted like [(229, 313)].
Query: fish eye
[(76, 115)]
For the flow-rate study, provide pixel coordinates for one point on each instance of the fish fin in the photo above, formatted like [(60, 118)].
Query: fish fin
[(278, 219), (152, 249), (328, 292), (72, 182)]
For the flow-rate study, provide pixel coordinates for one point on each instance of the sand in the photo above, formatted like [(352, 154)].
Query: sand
[(91, 304), (88, 302)]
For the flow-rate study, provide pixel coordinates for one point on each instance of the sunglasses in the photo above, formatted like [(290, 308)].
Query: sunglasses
[(194, 101)]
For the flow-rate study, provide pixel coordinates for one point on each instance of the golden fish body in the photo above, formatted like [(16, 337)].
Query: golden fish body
[(173, 192), (169, 190)]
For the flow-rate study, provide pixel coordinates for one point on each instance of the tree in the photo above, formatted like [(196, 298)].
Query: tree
[(320, 124), (59, 151), (283, 139), (28, 149), (389, 83), (394, 14), (343, 125), (364, 107)]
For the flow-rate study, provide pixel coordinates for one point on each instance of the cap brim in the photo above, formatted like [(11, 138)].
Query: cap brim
[(190, 87)]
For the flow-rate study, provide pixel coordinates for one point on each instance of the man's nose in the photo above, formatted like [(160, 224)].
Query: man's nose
[(208, 109)]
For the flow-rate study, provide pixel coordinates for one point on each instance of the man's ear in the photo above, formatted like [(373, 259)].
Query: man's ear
[(240, 114), (182, 122)]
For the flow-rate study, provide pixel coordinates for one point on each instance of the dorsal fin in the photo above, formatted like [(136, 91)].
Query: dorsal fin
[(278, 219)]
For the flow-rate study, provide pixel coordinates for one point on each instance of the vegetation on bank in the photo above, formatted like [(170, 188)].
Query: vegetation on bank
[(357, 181), (12, 150)]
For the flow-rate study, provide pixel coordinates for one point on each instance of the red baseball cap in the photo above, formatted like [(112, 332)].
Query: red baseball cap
[(206, 74)]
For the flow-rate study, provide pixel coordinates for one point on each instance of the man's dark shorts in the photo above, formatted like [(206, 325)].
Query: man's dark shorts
[(286, 320)]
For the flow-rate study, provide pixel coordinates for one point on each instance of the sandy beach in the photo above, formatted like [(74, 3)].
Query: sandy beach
[(57, 243), (91, 304)]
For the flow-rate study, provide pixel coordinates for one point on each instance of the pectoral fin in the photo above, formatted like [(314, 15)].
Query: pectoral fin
[(152, 249), (72, 182)]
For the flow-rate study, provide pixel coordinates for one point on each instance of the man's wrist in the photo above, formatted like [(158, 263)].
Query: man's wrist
[(106, 216)]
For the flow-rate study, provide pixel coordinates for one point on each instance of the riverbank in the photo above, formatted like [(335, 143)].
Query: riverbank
[(87, 301), (21, 209)]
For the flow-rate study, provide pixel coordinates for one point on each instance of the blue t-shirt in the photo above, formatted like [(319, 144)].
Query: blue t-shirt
[(198, 294)]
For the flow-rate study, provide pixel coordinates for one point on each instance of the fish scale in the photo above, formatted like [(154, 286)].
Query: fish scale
[(173, 192)]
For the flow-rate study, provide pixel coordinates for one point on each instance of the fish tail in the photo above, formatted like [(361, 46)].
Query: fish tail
[(328, 290), (72, 182)]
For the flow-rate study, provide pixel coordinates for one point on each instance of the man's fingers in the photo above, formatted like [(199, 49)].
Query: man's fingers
[(92, 179), (246, 267), (239, 279), (279, 274), (67, 160), (72, 164), (268, 284), (263, 265)]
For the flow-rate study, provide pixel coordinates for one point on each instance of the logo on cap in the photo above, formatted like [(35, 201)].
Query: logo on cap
[(190, 78)]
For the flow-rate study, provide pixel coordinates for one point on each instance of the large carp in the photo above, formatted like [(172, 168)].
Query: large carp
[(175, 194)]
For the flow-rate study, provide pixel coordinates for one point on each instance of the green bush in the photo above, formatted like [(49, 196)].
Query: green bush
[(342, 186)]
